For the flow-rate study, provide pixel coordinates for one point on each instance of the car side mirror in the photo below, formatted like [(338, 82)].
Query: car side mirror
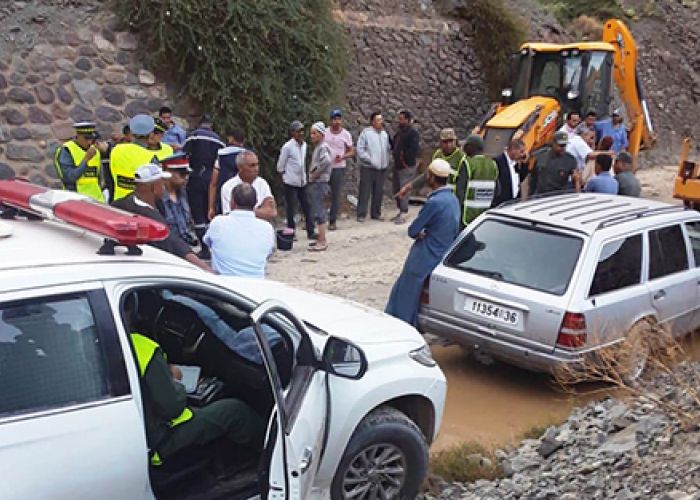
[(344, 359)]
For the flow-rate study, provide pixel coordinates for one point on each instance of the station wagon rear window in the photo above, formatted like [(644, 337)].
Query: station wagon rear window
[(523, 255)]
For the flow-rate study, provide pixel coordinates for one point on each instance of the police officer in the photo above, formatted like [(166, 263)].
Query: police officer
[(450, 152), (171, 425), (477, 179), (155, 140), (202, 146), (78, 162), (225, 168), (128, 157)]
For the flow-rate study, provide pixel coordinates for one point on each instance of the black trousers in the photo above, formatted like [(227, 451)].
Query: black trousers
[(371, 185), (337, 181), (292, 194), (198, 198)]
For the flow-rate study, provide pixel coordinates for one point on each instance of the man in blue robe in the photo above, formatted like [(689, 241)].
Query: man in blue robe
[(433, 230)]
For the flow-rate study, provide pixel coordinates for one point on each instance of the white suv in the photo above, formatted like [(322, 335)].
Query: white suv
[(352, 397)]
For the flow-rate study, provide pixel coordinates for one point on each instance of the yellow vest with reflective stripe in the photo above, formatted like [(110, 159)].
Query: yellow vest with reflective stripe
[(124, 161), (145, 349), (164, 151), (89, 182)]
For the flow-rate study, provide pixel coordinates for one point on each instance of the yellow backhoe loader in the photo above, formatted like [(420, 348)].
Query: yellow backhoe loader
[(553, 79)]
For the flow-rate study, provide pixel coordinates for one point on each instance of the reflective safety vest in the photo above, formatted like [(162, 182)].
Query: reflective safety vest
[(483, 174), (145, 350), (164, 151), (454, 159), (124, 161), (88, 183)]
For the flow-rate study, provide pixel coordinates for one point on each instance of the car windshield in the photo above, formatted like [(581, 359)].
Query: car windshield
[(523, 255)]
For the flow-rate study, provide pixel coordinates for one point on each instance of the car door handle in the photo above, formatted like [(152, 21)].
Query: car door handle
[(659, 295), (306, 459)]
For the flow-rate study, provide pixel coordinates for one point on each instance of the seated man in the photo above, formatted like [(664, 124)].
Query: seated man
[(603, 181), (170, 425), (240, 242)]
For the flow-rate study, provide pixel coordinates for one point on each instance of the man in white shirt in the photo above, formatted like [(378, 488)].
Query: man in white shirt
[(248, 170), (292, 165), (240, 242), (374, 152), (573, 120)]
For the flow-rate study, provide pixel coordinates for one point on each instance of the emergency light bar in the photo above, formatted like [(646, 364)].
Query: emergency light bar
[(82, 211)]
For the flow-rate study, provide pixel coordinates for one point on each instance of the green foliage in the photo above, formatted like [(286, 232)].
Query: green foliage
[(568, 10), (255, 64), (497, 34), (466, 463)]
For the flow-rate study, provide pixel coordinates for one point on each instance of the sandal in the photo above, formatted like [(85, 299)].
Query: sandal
[(318, 248)]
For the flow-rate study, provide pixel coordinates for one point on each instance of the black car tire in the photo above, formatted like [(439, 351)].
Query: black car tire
[(390, 428)]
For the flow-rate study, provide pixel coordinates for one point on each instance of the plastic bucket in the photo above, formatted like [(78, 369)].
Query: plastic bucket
[(285, 240)]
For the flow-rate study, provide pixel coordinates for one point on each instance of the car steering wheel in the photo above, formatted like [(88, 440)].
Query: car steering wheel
[(188, 338)]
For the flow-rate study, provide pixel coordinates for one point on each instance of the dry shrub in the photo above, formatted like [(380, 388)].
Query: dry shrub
[(587, 28), (466, 463), (614, 366)]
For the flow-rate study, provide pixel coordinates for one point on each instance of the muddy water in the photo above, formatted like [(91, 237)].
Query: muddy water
[(496, 404)]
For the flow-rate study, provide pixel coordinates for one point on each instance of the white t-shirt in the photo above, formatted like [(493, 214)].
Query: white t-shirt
[(578, 148), (262, 189)]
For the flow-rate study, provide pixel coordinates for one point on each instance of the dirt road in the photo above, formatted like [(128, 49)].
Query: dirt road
[(491, 404)]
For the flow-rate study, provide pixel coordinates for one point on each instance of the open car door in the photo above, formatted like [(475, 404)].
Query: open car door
[(300, 410)]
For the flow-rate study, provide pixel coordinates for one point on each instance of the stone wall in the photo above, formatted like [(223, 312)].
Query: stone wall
[(68, 63), (404, 55)]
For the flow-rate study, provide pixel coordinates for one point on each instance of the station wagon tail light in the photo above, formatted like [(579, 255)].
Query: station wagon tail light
[(81, 211), (572, 333)]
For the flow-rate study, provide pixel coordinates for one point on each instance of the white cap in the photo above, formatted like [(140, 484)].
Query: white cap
[(440, 168), (320, 127), (150, 173)]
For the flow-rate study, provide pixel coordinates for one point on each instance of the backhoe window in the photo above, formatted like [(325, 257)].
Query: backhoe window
[(572, 73), (596, 86)]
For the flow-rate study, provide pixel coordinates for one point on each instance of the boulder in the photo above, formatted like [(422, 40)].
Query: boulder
[(21, 134), (114, 77), (87, 51), (108, 114), (6, 172), (44, 94), (59, 112), (88, 91), (64, 95), (3, 98), (3, 82), (64, 65), (113, 95), (146, 78), (136, 107), (102, 44), (23, 152), (79, 113), (83, 64), (13, 116), (63, 130), (135, 93), (126, 41), (16, 79), (38, 115), (33, 79)]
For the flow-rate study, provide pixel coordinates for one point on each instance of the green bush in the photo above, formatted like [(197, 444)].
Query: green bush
[(466, 463), (497, 35), (255, 64)]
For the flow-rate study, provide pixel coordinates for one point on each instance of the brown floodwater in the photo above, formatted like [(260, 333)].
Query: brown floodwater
[(495, 404)]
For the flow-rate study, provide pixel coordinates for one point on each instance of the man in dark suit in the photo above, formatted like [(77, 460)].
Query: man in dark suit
[(511, 172)]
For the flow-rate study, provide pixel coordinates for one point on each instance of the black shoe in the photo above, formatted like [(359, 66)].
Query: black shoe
[(313, 236), (332, 226), (204, 254)]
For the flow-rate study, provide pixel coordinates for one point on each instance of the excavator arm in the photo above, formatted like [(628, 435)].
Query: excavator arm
[(627, 80)]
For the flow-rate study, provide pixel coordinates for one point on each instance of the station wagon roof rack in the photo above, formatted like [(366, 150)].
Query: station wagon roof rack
[(634, 214)]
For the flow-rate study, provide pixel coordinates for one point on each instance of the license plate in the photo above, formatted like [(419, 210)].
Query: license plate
[(492, 311)]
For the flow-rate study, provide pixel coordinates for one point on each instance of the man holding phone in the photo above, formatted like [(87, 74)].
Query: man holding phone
[(78, 161)]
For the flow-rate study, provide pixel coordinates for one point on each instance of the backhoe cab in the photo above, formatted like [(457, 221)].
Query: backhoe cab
[(550, 80)]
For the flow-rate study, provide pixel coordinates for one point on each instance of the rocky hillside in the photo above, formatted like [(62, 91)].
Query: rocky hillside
[(607, 450)]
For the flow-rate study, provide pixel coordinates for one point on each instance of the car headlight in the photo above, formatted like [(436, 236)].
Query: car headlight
[(423, 355)]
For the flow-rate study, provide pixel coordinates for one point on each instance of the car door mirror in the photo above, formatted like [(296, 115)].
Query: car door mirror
[(344, 359)]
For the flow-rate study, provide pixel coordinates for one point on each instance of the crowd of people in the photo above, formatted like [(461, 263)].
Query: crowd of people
[(208, 190)]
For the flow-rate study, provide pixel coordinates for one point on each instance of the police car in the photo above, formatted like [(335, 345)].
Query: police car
[(352, 397)]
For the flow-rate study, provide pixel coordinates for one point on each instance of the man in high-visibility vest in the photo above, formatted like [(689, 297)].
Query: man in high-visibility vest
[(450, 152), (78, 162), (155, 140), (477, 180), (127, 158), (171, 425)]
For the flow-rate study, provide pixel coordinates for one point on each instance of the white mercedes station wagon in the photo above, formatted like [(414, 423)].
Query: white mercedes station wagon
[(352, 397)]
